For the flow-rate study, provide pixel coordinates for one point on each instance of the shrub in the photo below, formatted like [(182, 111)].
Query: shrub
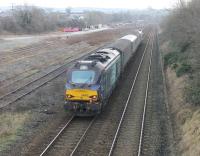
[(185, 46), (193, 92), (183, 69), (170, 58)]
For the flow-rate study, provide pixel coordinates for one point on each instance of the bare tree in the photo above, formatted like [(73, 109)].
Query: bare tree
[(95, 17)]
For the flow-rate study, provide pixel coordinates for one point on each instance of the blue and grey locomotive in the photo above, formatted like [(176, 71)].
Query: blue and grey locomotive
[(91, 80)]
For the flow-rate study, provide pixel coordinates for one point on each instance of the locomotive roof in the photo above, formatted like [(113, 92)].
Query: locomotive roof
[(101, 58), (131, 38), (123, 44)]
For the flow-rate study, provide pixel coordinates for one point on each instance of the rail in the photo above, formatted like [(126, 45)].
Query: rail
[(129, 96)]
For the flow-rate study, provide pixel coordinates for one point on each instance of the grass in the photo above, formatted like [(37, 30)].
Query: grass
[(186, 117), (191, 136), (183, 115), (11, 124)]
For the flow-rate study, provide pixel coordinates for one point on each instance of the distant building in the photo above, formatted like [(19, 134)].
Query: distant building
[(76, 15)]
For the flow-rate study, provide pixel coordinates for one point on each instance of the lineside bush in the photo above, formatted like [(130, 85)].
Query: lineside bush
[(193, 92), (170, 58), (182, 69)]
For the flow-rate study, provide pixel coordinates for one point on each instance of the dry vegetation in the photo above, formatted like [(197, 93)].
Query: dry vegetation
[(10, 124), (180, 45), (186, 118)]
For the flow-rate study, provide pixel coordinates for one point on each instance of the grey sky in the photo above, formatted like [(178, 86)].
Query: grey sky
[(131, 4)]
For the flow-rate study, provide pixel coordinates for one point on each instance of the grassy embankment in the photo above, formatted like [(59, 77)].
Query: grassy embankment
[(180, 46)]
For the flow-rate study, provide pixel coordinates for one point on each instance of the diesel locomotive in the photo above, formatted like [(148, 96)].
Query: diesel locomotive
[(90, 81)]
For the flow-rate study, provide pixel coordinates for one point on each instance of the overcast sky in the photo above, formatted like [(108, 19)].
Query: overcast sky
[(130, 4)]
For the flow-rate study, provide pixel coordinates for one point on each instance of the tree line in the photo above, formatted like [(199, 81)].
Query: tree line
[(32, 19)]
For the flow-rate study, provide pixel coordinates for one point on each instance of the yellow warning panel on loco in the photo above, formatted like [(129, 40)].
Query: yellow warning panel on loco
[(81, 95)]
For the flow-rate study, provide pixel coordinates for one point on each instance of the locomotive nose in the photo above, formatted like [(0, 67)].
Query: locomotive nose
[(81, 95)]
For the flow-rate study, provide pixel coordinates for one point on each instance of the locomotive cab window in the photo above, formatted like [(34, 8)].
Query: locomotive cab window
[(83, 76)]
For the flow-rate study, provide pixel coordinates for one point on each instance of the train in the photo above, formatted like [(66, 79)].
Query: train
[(91, 80)]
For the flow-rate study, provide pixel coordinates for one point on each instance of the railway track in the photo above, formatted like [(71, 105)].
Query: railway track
[(5, 84), (131, 126), (29, 51), (157, 137), (22, 91), (35, 46), (69, 137), (26, 50)]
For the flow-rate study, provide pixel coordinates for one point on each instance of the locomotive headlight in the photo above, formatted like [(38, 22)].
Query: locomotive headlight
[(94, 97), (69, 96)]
